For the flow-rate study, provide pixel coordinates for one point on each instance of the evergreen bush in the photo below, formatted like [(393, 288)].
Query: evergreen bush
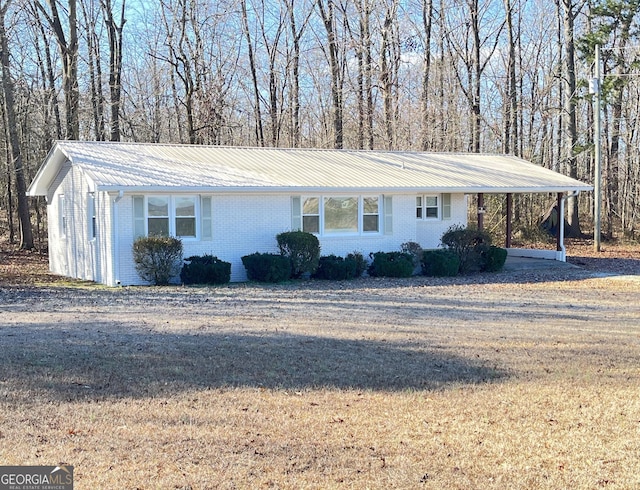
[(157, 259), (469, 244), (493, 259), (265, 267), (360, 263), (302, 248), (440, 263), (206, 269), (391, 264), (336, 268)]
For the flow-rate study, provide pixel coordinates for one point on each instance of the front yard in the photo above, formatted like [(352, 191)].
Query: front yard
[(524, 379)]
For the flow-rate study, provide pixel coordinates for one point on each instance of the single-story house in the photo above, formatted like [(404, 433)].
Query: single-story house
[(230, 202)]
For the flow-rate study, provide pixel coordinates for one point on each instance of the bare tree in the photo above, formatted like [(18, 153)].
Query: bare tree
[(427, 22), (327, 12), (13, 140), (114, 31), (570, 10), (68, 47)]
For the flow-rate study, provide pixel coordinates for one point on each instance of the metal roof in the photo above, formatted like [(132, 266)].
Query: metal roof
[(168, 167)]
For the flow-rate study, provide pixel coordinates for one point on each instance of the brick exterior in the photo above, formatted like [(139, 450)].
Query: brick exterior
[(242, 224)]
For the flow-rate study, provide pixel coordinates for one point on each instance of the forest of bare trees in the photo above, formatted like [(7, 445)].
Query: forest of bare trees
[(499, 76)]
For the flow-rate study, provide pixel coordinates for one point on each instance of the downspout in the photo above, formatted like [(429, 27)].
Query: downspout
[(115, 249), (561, 248)]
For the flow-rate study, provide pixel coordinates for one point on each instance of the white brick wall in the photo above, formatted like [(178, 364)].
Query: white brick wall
[(429, 232), (242, 224)]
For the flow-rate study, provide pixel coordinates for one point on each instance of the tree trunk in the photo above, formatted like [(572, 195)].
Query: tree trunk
[(69, 54), (427, 20), (26, 234), (115, 65), (328, 20), (254, 76), (571, 138)]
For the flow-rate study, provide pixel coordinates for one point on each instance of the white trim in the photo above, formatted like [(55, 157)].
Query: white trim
[(424, 207), (536, 254), (172, 216), (360, 217)]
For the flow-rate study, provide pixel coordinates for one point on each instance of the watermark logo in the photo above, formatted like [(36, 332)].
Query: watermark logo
[(36, 477)]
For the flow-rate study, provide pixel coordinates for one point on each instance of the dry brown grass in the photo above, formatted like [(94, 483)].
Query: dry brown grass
[(519, 380)]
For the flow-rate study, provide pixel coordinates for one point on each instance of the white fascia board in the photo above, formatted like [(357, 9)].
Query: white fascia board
[(46, 173), (340, 190)]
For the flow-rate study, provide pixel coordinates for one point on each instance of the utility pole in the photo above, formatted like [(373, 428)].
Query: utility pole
[(597, 197)]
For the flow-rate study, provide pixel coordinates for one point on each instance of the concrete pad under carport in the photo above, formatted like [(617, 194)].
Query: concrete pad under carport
[(517, 263)]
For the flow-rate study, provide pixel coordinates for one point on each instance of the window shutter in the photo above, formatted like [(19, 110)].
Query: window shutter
[(388, 215), (446, 206), (138, 217), (296, 213), (207, 221)]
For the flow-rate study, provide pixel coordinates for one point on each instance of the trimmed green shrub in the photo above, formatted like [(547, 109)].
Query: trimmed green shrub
[(157, 259), (493, 259), (469, 244), (360, 262), (205, 270), (440, 263), (267, 267), (391, 264), (336, 268), (302, 248)]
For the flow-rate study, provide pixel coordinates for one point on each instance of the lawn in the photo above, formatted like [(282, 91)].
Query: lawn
[(524, 379)]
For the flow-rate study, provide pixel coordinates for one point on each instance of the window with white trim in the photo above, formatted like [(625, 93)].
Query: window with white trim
[(169, 216), (370, 214), (339, 215), (428, 206), (311, 215)]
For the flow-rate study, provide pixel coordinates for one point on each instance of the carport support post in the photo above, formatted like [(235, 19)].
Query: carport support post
[(559, 225), (480, 211), (507, 242)]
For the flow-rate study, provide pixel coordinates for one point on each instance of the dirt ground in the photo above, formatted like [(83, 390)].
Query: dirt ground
[(521, 379)]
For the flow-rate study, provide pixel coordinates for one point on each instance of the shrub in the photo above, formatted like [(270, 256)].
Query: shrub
[(493, 259), (205, 270), (336, 268), (158, 259), (440, 263), (302, 248), (267, 267), (391, 264), (415, 250), (360, 262), (468, 244)]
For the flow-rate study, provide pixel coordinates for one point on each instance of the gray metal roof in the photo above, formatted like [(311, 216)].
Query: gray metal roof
[(167, 167)]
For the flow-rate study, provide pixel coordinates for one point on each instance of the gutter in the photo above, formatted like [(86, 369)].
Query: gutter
[(115, 249)]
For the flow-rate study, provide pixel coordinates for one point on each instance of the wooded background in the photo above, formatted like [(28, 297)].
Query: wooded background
[(502, 76)]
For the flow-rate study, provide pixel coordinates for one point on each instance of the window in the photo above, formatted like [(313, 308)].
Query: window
[(91, 215), (340, 214), (370, 215), (428, 207), (185, 212), (311, 215), (158, 216), (349, 215), (170, 216), (62, 209)]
